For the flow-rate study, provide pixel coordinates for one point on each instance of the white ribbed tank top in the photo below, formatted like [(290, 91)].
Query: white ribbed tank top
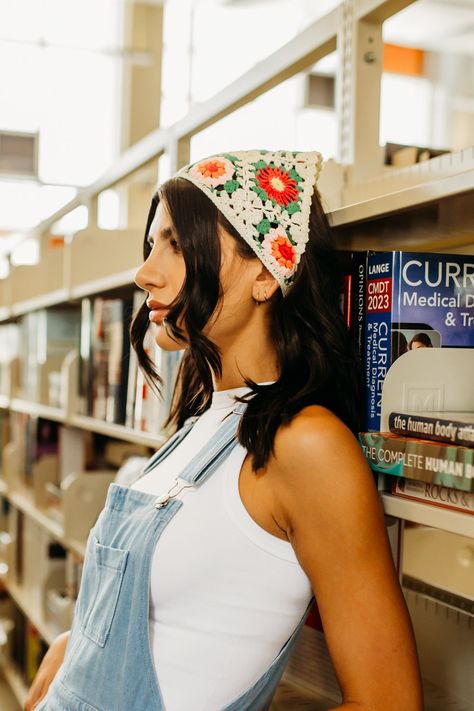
[(225, 594)]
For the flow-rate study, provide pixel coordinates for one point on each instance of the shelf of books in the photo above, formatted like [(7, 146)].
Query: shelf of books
[(76, 413)]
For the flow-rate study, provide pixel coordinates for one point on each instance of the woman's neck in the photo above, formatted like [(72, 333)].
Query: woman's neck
[(241, 359)]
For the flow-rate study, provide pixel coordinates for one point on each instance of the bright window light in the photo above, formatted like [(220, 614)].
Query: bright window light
[(108, 210), (4, 268), (25, 204), (27, 252), (72, 222), (412, 126)]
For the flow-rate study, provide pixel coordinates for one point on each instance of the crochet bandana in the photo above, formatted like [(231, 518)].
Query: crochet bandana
[(266, 196)]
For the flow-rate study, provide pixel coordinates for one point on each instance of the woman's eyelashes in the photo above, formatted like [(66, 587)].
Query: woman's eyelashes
[(170, 240)]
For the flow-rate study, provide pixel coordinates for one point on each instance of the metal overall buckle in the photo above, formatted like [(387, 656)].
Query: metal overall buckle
[(163, 500)]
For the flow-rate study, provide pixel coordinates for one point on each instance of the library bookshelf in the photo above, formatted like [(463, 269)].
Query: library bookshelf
[(356, 226), (354, 219)]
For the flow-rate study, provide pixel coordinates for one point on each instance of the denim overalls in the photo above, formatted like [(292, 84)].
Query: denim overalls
[(108, 664)]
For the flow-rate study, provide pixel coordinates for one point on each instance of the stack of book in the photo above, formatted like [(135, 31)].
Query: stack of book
[(430, 456), (111, 385), (104, 357), (395, 302), (45, 338), (9, 347)]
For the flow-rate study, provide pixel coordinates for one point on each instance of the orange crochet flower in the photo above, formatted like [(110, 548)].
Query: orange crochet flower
[(278, 185), (213, 171), (280, 250)]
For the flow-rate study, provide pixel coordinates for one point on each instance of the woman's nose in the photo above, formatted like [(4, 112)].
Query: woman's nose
[(148, 277)]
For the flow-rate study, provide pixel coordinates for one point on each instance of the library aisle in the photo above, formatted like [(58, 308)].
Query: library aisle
[(372, 102)]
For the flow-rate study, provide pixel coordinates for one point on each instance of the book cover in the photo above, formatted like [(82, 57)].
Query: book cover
[(434, 494), (28, 353), (358, 297), (99, 360), (117, 345), (138, 299), (413, 300), (40, 438), (344, 259), (85, 359), (423, 460), (448, 427)]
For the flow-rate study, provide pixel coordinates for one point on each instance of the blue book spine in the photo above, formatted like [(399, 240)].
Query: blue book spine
[(381, 270)]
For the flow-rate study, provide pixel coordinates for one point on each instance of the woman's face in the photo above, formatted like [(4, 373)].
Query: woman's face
[(162, 276), (417, 344)]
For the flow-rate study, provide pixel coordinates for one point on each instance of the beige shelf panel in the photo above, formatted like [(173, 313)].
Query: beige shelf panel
[(103, 283), (4, 402), (20, 596), (37, 409), (392, 179), (5, 297), (23, 502), (402, 198), (93, 255), (429, 515), (59, 296), (15, 682), (29, 283), (118, 431)]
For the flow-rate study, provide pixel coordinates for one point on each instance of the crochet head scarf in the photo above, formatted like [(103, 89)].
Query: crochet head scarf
[(266, 196)]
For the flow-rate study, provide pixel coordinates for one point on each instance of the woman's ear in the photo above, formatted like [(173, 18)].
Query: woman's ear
[(264, 285)]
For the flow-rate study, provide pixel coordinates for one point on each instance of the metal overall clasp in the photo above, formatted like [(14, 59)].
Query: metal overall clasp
[(179, 485)]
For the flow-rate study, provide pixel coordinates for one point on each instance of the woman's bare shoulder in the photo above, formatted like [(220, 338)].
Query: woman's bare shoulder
[(314, 444)]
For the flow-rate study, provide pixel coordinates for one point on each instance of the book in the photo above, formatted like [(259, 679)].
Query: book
[(434, 494), (358, 297), (117, 345), (137, 301), (41, 437), (149, 408), (422, 460), (448, 427), (106, 365), (85, 376), (413, 300), (9, 348), (99, 360), (46, 336)]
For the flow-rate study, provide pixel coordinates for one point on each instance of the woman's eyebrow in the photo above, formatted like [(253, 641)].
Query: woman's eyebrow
[(165, 233)]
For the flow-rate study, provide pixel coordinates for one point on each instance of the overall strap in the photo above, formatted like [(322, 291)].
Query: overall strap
[(170, 444), (206, 461)]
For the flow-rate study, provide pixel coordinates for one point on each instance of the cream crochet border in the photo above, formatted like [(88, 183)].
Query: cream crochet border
[(308, 164)]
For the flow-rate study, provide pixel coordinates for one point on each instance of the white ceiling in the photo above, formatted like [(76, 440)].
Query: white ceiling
[(438, 25)]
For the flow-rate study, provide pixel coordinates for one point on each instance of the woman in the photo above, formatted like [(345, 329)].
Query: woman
[(199, 576), (420, 340)]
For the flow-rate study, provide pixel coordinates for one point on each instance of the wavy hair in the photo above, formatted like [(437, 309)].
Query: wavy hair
[(317, 358)]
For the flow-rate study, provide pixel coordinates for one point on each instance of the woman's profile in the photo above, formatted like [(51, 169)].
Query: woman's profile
[(198, 576)]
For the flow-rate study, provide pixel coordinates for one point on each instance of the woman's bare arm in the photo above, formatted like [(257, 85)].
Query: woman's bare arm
[(329, 506), (48, 668)]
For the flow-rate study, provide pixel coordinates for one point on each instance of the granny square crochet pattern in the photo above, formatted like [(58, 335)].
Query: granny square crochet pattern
[(266, 196)]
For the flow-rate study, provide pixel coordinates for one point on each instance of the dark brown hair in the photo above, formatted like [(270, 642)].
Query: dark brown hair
[(318, 362)]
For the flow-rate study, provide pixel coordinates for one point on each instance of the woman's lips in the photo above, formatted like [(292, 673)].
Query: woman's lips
[(157, 315)]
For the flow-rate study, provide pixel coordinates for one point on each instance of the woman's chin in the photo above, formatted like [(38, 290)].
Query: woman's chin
[(163, 338)]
